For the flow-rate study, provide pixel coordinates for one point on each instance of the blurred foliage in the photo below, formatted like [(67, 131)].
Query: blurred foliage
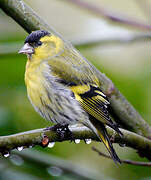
[(127, 66)]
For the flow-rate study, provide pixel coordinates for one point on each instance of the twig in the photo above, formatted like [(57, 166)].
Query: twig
[(12, 47), (112, 41), (116, 18), (9, 48), (138, 163), (46, 161)]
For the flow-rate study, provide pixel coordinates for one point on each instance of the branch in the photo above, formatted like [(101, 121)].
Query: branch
[(125, 112), (136, 163), (25, 16), (131, 38), (9, 47), (46, 161), (12, 47), (116, 18), (37, 137)]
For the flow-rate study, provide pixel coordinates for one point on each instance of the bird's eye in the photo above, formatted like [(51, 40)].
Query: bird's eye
[(36, 44), (39, 43)]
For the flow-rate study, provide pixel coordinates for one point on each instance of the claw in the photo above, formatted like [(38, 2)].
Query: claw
[(112, 139), (62, 131)]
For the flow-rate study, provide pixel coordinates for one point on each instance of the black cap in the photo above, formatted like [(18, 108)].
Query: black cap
[(36, 35)]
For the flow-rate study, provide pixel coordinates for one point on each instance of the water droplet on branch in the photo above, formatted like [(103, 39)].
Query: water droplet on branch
[(6, 154), (122, 145), (20, 148), (51, 144), (77, 141), (88, 141), (17, 160), (54, 171)]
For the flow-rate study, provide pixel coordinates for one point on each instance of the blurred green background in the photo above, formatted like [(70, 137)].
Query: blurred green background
[(126, 64)]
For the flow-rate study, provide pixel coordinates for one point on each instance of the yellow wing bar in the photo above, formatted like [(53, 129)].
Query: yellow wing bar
[(93, 101)]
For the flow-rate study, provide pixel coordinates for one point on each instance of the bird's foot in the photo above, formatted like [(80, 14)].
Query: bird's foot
[(62, 131), (112, 138)]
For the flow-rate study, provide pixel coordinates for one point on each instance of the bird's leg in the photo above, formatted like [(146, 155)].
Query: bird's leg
[(112, 138), (65, 132), (62, 130)]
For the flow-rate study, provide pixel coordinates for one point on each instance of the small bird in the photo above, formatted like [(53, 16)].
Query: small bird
[(64, 87)]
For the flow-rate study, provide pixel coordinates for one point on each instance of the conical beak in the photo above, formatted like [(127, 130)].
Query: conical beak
[(26, 49)]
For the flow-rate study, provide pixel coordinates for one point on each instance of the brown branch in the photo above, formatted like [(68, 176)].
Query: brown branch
[(116, 18), (136, 163)]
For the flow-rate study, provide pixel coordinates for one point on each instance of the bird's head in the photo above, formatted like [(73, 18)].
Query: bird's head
[(41, 45)]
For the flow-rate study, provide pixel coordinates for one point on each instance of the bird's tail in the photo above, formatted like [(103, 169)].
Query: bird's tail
[(116, 128), (101, 132)]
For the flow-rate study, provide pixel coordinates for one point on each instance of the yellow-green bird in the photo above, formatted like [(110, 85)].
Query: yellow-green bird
[(64, 87)]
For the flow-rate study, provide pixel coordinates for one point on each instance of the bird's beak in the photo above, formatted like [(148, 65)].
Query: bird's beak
[(26, 49)]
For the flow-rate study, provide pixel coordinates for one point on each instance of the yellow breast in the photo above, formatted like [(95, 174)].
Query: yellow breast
[(34, 80)]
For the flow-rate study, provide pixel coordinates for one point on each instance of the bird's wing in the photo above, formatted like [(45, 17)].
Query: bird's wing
[(80, 77), (72, 68), (73, 71), (93, 101)]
